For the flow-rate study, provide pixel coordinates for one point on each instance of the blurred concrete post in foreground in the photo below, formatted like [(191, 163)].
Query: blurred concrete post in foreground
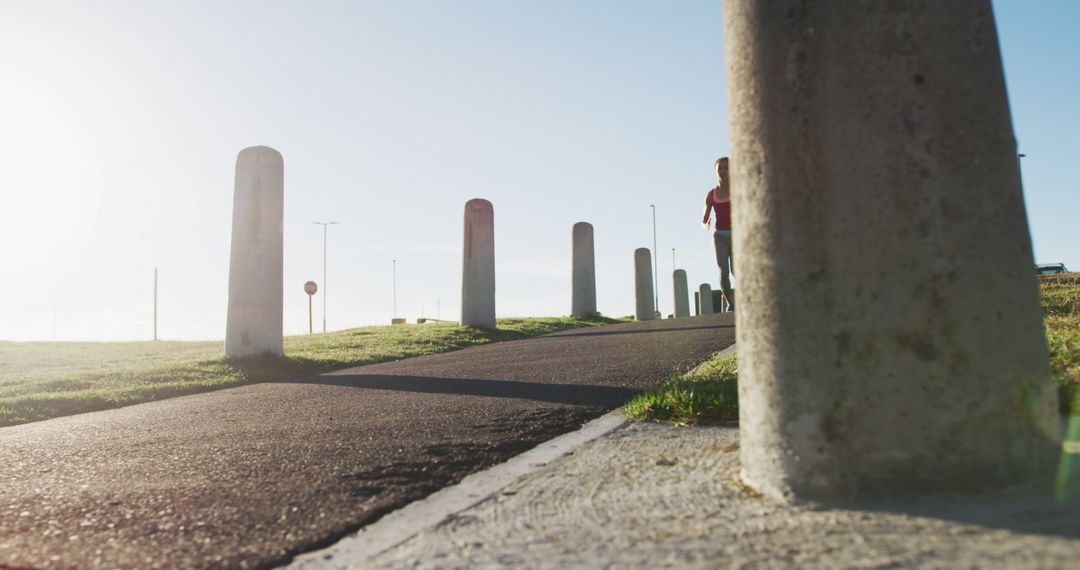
[(643, 285), (682, 295), (256, 292), (478, 265), (889, 330), (583, 280)]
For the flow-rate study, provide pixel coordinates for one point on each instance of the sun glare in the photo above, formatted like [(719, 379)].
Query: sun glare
[(50, 180)]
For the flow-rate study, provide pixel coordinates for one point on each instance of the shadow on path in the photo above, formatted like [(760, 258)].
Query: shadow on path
[(566, 334), (1026, 512), (573, 394)]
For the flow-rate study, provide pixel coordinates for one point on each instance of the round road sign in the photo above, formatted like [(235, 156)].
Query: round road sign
[(310, 287)]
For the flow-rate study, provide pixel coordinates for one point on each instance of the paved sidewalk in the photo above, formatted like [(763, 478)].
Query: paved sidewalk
[(652, 496)]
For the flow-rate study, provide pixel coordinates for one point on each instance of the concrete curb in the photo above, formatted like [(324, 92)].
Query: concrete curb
[(403, 524), (729, 351)]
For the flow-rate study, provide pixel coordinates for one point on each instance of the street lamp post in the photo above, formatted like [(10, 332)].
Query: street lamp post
[(324, 288), (656, 271)]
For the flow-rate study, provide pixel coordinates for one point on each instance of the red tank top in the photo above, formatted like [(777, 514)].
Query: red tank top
[(722, 209)]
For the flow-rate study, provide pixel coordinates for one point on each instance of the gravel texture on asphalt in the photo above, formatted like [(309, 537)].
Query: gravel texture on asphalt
[(652, 496), (250, 476)]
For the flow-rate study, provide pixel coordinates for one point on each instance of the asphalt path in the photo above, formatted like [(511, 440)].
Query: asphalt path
[(251, 476)]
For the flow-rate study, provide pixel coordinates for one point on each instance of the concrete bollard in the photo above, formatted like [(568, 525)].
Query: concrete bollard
[(643, 285), (478, 265), (719, 302), (705, 299), (583, 279), (889, 330), (682, 295), (256, 289)]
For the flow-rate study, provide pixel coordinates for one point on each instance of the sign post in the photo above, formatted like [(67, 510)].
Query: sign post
[(310, 288)]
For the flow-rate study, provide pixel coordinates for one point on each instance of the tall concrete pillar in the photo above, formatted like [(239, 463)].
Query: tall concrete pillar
[(705, 299), (889, 331), (682, 295), (478, 266), (583, 280), (643, 285), (256, 295)]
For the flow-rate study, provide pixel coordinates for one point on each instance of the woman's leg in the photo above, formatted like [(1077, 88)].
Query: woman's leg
[(725, 261)]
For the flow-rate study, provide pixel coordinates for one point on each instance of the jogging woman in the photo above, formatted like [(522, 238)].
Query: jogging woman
[(719, 200)]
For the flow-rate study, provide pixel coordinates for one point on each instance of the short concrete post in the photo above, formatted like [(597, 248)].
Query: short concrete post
[(256, 289), (478, 265), (643, 285), (583, 279), (682, 295), (705, 298), (889, 330), (719, 303)]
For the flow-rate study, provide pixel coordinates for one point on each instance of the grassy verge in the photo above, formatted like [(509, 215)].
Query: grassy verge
[(1061, 307), (709, 393), (706, 394), (41, 380)]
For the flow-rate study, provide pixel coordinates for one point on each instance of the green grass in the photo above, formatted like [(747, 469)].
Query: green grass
[(706, 394), (709, 393), (41, 380), (1061, 307)]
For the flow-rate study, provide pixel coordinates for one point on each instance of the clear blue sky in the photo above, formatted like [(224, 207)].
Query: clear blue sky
[(1041, 52), (122, 120)]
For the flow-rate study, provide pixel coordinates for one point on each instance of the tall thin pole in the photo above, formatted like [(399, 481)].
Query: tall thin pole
[(155, 302), (324, 288), (656, 271), (673, 259), (310, 329), (324, 278), (395, 288)]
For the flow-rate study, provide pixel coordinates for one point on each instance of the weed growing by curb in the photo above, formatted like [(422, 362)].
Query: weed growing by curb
[(706, 394)]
